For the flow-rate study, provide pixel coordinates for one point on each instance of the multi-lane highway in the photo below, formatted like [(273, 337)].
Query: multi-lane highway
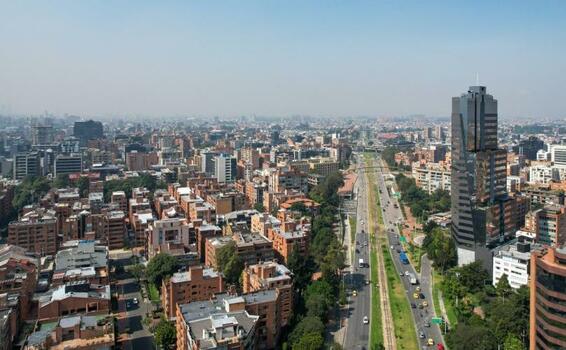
[(357, 332), (422, 316)]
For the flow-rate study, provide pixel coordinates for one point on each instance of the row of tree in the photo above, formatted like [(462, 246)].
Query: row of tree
[(488, 317), (316, 300), (128, 184), (421, 202)]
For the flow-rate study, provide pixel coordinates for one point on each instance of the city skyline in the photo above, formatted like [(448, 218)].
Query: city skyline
[(267, 58)]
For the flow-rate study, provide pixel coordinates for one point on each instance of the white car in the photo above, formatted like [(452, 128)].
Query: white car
[(406, 273), (366, 320)]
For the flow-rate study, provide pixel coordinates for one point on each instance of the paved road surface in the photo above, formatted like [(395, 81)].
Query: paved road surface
[(391, 215), (131, 315), (357, 333)]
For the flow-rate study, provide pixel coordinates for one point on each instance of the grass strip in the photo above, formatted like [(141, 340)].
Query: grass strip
[(400, 308)]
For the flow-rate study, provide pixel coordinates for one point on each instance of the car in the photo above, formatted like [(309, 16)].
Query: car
[(367, 282), (430, 341), (392, 247), (427, 324), (401, 274), (355, 293), (406, 273), (128, 304), (415, 295), (418, 289), (422, 335), (439, 346), (420, 306), (135, 301), (413, 306), (366, 320), (422, 296), (425, 303)]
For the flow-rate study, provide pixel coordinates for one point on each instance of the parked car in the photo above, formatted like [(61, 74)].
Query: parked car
[(366, 320)]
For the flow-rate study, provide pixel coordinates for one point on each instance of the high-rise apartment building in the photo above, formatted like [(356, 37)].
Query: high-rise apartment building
[(548, 297), (207, 162), (482, 212), (225, 168)]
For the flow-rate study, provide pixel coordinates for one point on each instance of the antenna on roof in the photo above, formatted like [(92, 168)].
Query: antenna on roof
[(477, 79)]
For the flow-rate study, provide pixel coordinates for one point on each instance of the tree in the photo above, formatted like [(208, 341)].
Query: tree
[(165, 334), (259, 207), (229, 263), (471, 337), (310, 341), (61, 181), (440, 248), (30, 190), (300, 207), (319, 298), (473, 276), (83, 184), (512, 342), (233, 270), (309, 324), (503, 289), (138, 271), (161, 266)]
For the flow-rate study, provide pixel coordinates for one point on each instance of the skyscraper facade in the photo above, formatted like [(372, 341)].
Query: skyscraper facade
[(88, 130), (482, 212)]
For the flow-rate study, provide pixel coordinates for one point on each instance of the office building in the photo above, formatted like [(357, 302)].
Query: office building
[(225, 168), (481, 210), (88, 130), (548, 297), (27, 165), (513, 261), (68, 164), (41, 135), (558, 155), (529, 147)]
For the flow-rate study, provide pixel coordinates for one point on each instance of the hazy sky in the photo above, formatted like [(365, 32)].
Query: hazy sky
[(279, 57)]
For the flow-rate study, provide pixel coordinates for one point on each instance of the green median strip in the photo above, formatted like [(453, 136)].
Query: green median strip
[(400, 308), (376, 335)]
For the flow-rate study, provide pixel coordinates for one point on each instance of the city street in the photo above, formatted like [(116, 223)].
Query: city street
[(422, 317), (130, 315)]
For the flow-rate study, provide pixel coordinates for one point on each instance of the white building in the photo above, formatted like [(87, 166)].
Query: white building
[(558, 155), (543, 174), (225, 168), (432, 177), (512, 260)]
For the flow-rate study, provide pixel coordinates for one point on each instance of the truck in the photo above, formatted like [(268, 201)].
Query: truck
[(403, 258), (413, 279), (361, 263)]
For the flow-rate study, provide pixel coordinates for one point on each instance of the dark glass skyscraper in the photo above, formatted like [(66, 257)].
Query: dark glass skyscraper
[(483, 216)]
